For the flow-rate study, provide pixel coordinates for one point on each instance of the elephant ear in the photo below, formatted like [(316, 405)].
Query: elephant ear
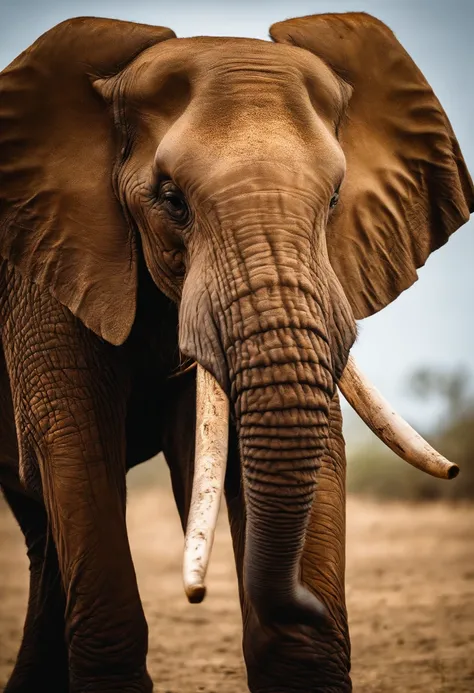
[(407, 188), (60, 222)]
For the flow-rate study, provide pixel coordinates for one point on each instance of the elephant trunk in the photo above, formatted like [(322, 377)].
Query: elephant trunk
[(282, 417)]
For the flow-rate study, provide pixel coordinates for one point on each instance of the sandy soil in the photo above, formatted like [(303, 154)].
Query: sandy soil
[(410, 584)]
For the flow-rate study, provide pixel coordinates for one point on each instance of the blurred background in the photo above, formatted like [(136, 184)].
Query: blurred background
[(410, 572)]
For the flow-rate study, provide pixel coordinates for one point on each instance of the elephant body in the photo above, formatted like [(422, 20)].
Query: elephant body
[(230, 202), (157, 414)]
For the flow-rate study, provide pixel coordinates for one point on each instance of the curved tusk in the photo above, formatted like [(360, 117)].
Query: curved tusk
[(390, 427), (210, 461)]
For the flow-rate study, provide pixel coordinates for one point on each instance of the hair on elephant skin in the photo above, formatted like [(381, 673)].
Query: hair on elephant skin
[(232, 202)]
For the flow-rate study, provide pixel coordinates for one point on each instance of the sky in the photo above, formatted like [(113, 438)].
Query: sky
[(430, 324)]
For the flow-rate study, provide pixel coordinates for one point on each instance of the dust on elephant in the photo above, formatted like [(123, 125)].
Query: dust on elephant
[(241, 203)]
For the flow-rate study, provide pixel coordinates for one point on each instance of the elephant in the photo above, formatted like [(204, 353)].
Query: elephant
[(189, 230)]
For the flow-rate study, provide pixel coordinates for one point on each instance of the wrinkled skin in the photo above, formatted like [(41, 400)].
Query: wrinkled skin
[(192, 209)]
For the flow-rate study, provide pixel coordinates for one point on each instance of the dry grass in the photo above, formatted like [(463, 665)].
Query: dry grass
[(410, 584)]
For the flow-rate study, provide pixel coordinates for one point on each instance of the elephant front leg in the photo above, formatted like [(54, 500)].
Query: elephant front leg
[(105, 626), (42, 661), (69, 400), (297, 658)]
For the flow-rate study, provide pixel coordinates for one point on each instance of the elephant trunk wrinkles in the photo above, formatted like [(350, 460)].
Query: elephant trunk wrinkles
[(268, 282), (282, 394)]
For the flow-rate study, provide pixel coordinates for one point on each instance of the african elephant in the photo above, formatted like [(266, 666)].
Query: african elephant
[(231, 203)]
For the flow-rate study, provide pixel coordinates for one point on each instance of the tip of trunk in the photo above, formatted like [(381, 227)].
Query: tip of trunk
[(300, 607)]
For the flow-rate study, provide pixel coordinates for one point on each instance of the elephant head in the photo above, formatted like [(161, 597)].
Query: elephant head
[(277, 191)]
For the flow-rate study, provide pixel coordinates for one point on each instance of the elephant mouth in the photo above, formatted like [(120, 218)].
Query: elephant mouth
[(212, 424)]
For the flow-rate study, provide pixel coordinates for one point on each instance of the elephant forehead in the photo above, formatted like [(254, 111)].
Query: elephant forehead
[(245, 135), (267, 158), (236, 80)]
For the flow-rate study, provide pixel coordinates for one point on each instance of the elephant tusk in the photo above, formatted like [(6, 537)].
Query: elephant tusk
[(210, 461), (390, 427)]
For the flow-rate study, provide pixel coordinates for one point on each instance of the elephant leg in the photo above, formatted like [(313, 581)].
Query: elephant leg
[(299, 658), (42, 661), (69, 396)]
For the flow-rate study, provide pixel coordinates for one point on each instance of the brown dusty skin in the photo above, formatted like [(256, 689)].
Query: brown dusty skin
[(410, 587)]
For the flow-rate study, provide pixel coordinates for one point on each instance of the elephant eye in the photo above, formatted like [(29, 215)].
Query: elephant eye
[(174, 202), (334, 198)]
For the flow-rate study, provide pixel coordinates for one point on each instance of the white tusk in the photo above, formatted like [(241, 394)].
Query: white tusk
[(390, 427), (210, 461)]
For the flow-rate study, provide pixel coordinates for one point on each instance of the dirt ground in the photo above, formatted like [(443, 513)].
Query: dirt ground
[(410, 585)]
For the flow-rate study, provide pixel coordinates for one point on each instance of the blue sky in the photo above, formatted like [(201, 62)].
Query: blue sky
[(432, 322)]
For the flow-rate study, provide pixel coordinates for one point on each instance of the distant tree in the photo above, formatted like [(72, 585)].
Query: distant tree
[(450, 386)]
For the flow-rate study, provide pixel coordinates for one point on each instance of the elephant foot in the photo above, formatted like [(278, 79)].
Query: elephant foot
[(296, 659)]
